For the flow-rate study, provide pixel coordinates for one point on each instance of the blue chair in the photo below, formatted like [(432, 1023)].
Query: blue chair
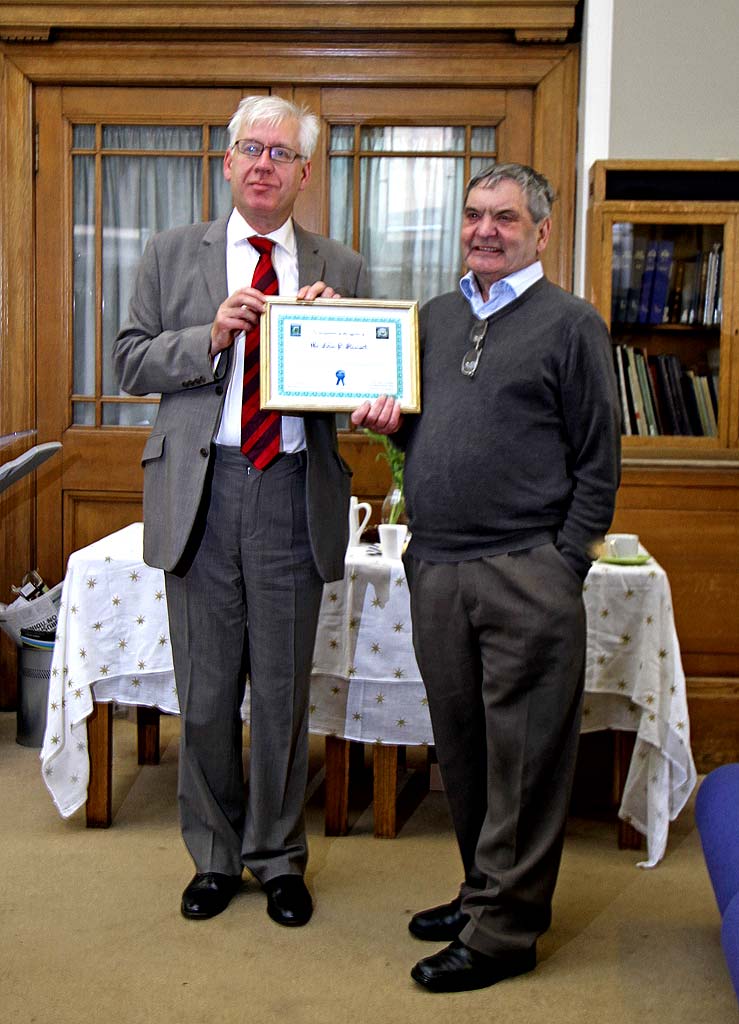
[(717, 819)]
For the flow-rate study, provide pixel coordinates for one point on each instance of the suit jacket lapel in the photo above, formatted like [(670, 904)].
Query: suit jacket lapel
[(311, 264), (212, 257)]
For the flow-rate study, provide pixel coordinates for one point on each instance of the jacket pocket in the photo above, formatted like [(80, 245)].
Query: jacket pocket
[(153, 449)]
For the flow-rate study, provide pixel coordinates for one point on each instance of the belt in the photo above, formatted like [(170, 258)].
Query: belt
[(300, 457), (233, 456)]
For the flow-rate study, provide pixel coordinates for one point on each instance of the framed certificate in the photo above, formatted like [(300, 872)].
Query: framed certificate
[(331, 355)]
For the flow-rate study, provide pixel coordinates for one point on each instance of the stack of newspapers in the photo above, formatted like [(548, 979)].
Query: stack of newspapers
[(31, 619)]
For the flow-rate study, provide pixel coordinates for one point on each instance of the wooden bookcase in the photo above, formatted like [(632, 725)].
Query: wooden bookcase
[(680, 482)]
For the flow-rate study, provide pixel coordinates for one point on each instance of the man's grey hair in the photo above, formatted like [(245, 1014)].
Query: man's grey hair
[(273, 110), (538, 192)]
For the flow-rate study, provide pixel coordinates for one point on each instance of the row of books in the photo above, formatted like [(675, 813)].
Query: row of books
[(651, 284), (660, 396)]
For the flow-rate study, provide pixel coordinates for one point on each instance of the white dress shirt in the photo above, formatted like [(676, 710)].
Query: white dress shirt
[(241, 261)]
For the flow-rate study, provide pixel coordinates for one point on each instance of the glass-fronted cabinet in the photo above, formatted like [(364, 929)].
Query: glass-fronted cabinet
[(663, 262)]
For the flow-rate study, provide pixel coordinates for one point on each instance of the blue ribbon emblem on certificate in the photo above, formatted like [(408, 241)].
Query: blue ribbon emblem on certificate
[(340, 375)]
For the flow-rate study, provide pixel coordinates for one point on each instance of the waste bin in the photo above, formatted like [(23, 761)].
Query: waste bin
[(34, 671)]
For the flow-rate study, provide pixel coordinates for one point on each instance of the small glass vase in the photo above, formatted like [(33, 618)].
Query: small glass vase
[(393, 506)]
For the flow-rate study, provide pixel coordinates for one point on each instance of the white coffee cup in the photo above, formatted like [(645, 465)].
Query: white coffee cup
[(392, 539), (359, 516), (622, 545)]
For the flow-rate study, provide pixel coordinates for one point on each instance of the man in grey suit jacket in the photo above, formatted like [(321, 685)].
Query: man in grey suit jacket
[(245, 550)]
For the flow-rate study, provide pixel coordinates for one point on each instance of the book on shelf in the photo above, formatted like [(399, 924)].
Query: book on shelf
[(704, 381), (649, 399), (658, 398), (675, 374), (633, 294), (718, 307), (690, 397), (637, 399), (710, 298), (620, 269), (619, 361), (712, 384), (665, 397), (661, 280), (703, 402), (701, 287), (616, 266), (691, 284), (674, 302), (647, 279)]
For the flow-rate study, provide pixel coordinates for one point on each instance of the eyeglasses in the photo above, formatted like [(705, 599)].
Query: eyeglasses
[(278, 154), (472, 356)]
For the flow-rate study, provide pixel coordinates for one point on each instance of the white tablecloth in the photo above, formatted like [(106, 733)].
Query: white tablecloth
[(113, 642)]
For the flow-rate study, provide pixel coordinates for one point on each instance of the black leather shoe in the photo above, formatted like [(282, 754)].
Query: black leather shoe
[(208, 894), (288, 900), (460, 969), (439, 924)]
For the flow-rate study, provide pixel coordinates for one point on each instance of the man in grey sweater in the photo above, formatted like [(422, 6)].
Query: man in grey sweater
[(511, 474)]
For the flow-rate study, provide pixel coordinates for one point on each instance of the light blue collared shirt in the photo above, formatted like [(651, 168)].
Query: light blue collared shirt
[(502, 292)]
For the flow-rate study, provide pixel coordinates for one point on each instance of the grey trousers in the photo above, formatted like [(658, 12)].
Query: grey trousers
[(248, 600), (500, 642)]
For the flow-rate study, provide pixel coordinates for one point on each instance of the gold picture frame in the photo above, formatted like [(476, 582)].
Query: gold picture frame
[(331, 355)]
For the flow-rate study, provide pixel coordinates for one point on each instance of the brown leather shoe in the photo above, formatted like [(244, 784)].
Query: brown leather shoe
[(288, 900), (208, 894), (461, 969), (439, 924)]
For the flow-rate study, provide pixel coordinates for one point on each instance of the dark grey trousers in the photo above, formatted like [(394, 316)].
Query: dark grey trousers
[(247, 601), (500, 642)]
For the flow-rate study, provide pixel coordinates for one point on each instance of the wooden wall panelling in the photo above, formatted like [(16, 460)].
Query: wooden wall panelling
[(280, 65), (90, 516), (311, 207), (372, 479), (527, 20), (17, 354), (53, 202), (515, 137), (688, 518), (712, 705), (555, 143)]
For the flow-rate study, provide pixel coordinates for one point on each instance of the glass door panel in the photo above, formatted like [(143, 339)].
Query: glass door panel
[(395, 195), (129, 181)]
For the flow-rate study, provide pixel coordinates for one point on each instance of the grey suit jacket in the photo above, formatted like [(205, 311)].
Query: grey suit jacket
[(163, 347)]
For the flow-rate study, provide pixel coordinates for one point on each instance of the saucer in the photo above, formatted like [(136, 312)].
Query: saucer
[(634, 560)]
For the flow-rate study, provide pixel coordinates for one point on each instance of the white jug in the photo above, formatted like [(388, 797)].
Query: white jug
[(359, 514)]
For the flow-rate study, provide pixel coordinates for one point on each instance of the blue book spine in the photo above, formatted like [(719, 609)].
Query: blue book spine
[(661, 281), (647, 279)]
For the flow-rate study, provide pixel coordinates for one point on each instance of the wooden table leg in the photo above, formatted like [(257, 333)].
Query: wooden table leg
[(100, 750), (147, 734), (623, 747), (385, 790), (337, 786)]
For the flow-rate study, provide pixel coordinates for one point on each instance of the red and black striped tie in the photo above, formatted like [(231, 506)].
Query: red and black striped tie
[(260, 430)]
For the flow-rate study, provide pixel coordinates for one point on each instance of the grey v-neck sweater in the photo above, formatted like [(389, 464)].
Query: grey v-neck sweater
[(526, 451)]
